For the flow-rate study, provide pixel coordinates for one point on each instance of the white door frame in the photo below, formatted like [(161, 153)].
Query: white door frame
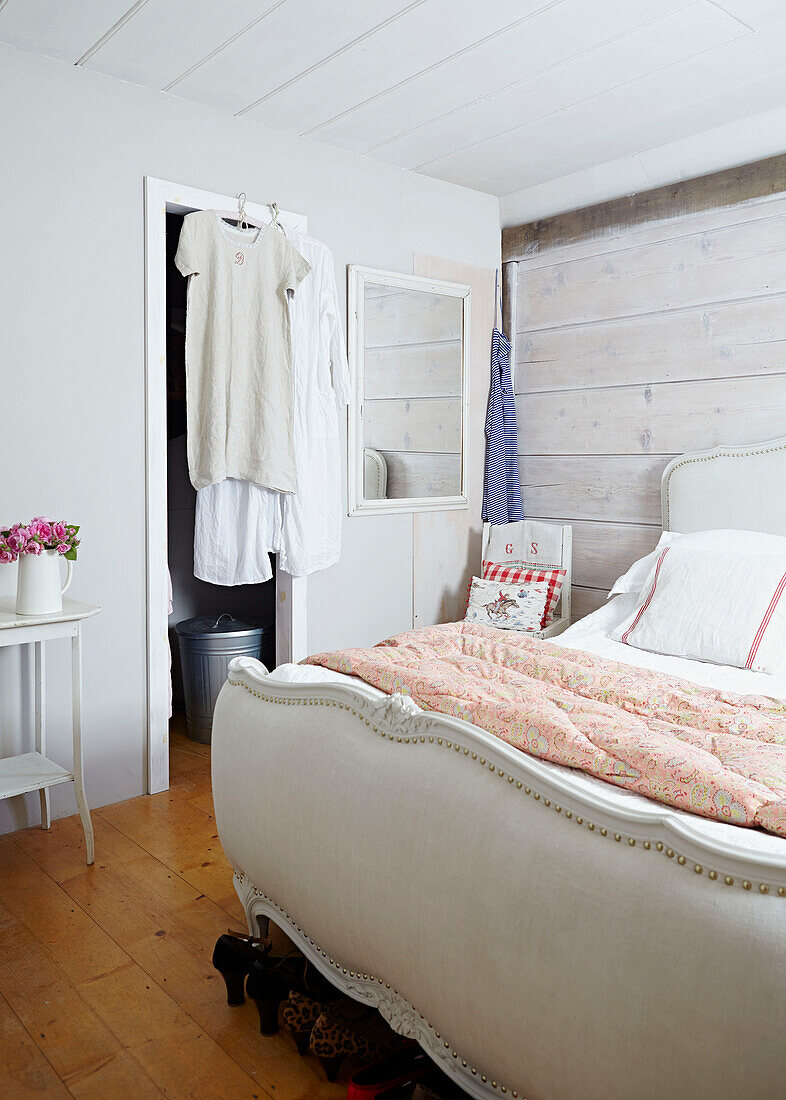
[(291, 641)]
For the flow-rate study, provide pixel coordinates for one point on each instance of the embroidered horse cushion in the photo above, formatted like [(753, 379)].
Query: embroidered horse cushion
[(517, 606), (525, 575)]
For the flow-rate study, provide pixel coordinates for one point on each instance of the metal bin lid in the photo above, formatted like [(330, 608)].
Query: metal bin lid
[(225, 624)]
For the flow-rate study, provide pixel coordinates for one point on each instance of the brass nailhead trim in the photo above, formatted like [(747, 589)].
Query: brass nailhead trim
[(747, 453), (728, 880)]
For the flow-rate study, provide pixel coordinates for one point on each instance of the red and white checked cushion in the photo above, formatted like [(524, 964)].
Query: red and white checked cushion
[(517, 574)]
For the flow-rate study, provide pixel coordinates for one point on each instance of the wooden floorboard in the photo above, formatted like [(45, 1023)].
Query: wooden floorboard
[(24, 1071), (106, 983)]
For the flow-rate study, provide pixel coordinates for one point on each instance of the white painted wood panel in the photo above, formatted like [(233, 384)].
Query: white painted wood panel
[(411, 317), (567, 146), (632, 369), (422, 37), (661, 419), (500, 96), (420, 424), (602, 552), (736, 195), (167, 37), (595, 487), (603, 126), (414, 474), (59, 28), (292, 39), (737, 261), (756, 13), (722, 341), (427, 370), (543, 36), (585, 600), (565, 61)]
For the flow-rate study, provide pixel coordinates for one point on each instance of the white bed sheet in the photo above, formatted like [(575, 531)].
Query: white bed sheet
[(591, 634)]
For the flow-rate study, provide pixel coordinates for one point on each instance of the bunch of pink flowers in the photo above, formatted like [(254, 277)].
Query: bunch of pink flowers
[(38, 535)]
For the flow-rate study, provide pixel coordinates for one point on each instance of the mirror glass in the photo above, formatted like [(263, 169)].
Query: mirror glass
[(410, 399)]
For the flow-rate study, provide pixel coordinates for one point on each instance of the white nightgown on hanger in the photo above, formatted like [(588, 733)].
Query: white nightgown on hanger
[(239, 522)]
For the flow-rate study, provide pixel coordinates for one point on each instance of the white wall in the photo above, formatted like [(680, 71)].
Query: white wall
[(74, 148), (739, 142)]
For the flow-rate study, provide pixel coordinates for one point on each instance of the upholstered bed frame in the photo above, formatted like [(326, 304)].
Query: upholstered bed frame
[(536, 939)]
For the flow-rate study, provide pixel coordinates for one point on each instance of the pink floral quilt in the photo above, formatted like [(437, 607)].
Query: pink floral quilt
[(706, 751)]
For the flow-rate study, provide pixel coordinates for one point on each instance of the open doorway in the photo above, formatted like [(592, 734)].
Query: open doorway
[(171, 499), (192, 598)]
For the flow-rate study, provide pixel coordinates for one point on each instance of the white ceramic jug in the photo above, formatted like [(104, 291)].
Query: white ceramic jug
[(38, 587)]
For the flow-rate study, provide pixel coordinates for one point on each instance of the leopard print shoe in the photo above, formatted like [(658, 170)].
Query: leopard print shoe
[(350, 1029), (273, 978), (299, 1013)]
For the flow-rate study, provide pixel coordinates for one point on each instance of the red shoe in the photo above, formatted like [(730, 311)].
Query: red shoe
[(403, 1067)]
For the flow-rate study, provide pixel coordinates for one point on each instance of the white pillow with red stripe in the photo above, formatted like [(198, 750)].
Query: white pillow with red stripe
[(722, 606), (753, 542)]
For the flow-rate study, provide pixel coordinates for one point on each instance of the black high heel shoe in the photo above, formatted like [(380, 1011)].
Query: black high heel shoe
[(233, 957), (274, 977)]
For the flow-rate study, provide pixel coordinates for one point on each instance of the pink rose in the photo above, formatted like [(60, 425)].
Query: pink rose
[(33, 548), (6, 557), (62, 548), (44, 530), (15, 541), (59, 531)]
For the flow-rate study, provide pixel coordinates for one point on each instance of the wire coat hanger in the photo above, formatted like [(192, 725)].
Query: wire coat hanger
[(241, 211), (244, 220)]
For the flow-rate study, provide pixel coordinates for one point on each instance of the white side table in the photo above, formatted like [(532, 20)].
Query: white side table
[(33, 771)]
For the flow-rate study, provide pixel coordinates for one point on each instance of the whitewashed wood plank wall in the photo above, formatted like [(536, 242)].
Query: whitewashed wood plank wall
[(643, 328), (412, 407)]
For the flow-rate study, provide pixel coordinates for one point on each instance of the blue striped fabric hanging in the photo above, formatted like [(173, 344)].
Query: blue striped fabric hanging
[(501, 489)]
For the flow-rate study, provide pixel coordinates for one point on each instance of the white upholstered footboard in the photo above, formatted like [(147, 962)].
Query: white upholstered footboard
[(533, 942)]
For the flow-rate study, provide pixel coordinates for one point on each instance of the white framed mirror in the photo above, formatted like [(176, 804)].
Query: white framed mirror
[(409, 359)]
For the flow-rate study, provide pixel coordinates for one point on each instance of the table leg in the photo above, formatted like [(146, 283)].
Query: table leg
[(40, 724), (76, 694)]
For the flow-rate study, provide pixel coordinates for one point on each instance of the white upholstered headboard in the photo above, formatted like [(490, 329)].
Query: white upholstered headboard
[(729, 487)]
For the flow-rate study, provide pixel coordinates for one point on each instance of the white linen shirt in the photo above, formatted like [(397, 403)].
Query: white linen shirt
[(238, 351), (237, 522)]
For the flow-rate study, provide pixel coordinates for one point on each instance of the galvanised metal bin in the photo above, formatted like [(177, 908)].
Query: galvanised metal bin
[(207, 645)]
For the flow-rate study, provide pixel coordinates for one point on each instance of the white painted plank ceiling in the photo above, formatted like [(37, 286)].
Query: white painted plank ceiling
[(498, 96)]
